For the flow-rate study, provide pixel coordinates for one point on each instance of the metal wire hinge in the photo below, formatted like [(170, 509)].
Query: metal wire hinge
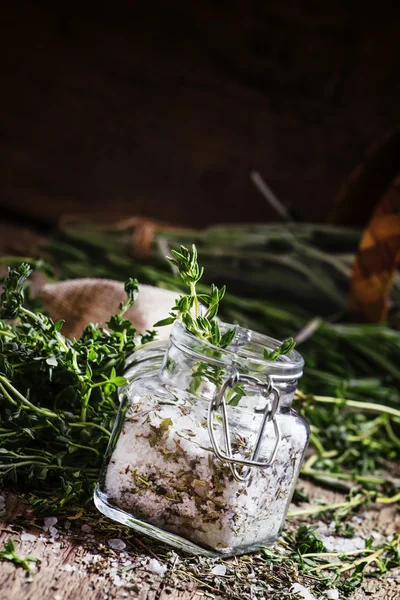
[(272, 395)]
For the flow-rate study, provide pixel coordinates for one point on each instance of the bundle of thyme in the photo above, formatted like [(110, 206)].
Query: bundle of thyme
[(57, 396)]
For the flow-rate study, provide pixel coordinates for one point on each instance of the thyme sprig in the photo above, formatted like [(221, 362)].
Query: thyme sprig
[(9, 553), (203, 326)]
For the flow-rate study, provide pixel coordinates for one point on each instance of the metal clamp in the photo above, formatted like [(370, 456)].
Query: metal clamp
[(269, 411)]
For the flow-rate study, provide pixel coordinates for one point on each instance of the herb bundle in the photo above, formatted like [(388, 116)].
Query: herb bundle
[(57, 396)]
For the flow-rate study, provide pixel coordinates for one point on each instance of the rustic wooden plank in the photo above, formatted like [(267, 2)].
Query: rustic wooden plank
[(79, 567)]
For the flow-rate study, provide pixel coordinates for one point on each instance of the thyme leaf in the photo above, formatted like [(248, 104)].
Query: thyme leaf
[(9, 553)]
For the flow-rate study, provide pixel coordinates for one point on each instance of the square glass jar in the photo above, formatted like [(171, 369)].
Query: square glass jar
[(206, 448)]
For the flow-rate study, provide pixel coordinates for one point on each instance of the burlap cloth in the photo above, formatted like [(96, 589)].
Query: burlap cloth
[(83, 301)]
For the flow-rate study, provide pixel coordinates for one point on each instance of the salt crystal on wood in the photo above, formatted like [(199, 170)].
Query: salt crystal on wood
[(28, 537), (49, 522), (219, 570), (302, 591), (156, 567), (116, 544)]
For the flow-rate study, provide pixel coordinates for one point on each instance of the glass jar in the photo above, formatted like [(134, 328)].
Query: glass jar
[(206, 449)]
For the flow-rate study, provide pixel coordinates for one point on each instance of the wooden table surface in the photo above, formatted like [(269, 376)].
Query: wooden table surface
[(81, 566)]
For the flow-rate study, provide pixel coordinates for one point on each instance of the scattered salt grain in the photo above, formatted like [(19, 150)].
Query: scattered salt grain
[(69, 568), (219, 570), (338, 544), (357, 520), (88, 558), (28, 537), (49, 522), (156, 567), (2, 502), (332, 594), (57, 597), (67, 525), (118, 581), (116, 544), (86, 528), (302, 591)]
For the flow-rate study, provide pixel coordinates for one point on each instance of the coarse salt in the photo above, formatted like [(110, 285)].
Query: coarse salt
[(302, 591), (28, 537), (157, 568), (86, 528), (116, 544), (332, 594), (49, 522), (219, 570), (69, 568), (339, 544)]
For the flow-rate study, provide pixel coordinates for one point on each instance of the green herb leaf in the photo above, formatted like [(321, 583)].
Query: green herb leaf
[(10, 554), (285, 348)]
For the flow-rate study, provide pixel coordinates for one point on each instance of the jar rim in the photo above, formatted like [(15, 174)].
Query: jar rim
[(285, 368)]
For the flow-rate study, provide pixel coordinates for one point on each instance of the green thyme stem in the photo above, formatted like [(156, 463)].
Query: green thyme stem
[(30, 314), (317, 444), (88, 448), (366, 406), (315, 457), (49, 466), (8, 334), (7, 395), (368, 560), (345, 476), (89, 424), (338, 554), (326, 507), (196, 300), (357, 501), (388, 499), (389, 430), (85, 404), (26, 456), (41, 411)]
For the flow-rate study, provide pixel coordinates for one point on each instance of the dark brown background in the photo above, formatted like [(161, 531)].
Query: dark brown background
[(163, 108)]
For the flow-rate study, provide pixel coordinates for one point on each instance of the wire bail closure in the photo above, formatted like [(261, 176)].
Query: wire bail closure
[(267, 391)]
